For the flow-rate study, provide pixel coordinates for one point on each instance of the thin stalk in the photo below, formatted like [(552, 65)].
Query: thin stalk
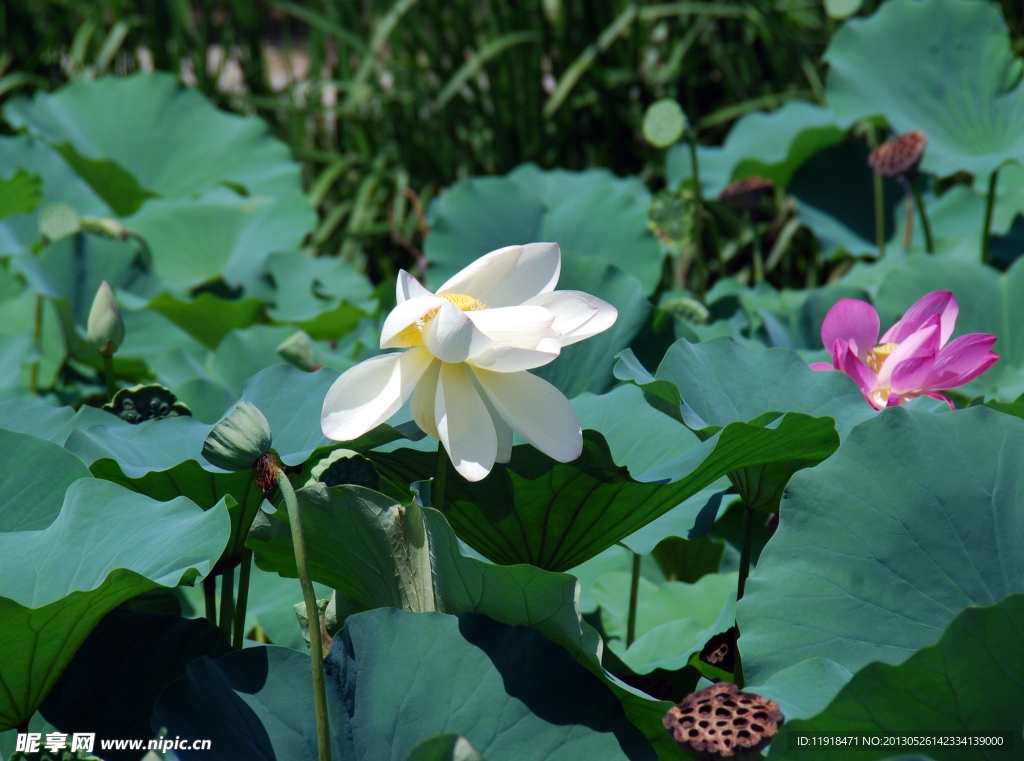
[(698, 217), (758, 253), (108, 372), (316, 645), (244, 571), (929, 243), (634, 596), (210, 597), (437, 488), (879, 189), (227, 602), (748, 520), (990, 204), (908, 222), (33, 381)]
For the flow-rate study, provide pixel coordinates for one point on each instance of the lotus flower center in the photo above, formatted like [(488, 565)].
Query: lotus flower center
[(878, 355), (462, 301)]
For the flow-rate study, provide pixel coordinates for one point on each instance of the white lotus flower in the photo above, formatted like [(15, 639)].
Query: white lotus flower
[(469, 347)]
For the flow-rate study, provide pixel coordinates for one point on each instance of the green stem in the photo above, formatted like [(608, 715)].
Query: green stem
[(879, 190), (990, 204), (758, 253), (108, 371), (929, 242), (244, 571), (437, 488), (210, 597), (748, 520), (33, 381), (634, 596), (698, 217), (227, 602), (316, 645)]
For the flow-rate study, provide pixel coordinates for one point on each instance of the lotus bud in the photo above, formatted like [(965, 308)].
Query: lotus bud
[(106, 328), (239, 439), (298, 351)]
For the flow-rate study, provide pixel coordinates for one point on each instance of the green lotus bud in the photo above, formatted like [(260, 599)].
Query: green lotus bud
[(106, 328), (239, 439), (298, 351)]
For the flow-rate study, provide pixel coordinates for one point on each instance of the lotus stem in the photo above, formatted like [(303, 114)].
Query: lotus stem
[(758, 253), (879, 191), (210, 597), (108, 372), (244, 572), (437, 488), (990, 204), (908, 209), (33, 380), (929, 242), (227, 602), (316, 645), (634, 597), (698, 217), (745, 541)]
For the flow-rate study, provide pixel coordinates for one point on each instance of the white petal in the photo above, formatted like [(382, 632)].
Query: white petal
[(537, 411), (464, 424), (396, 334), (510, 275), (422, 403), (578, 315), (518, 326), (369, 393), (409, 287), (451, 336), (511, 359)]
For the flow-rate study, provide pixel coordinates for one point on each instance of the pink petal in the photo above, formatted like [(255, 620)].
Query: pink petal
[(911, 373), (923, 342), (821, 366), (849, 363), (893, 400), (851, 320), (961, 361), (940, 303), (942, 398)]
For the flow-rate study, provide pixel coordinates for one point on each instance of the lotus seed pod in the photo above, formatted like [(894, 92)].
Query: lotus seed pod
[(720, 722), (239, 439), (298, 351), (104, 227), (59, 221), (899, 155), (106, 328), (664, 123)]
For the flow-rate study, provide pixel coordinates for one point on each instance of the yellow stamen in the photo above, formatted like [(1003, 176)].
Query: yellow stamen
[(458, 300), (878, 355)]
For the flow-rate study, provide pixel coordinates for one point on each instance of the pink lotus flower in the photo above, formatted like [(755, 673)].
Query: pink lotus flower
[(912, 359)]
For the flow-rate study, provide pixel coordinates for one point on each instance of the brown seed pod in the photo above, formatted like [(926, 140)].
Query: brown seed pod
[(899, 155), (264, 472), (747, 193), (722, 722)]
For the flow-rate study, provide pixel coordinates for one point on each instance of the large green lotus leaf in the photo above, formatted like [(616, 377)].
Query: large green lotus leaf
[(511, 692), (209, 318), (169, 137), (107, 545), (306, 286), (915, 518), (673, 620), (350, 531), (771, 145), (970, 682), (640, 438), (17, 322), (587, 365), (721, 382), (53, 423), (444, 747), (990, 302), (558, 515), (244, 353), (956, 77), (115, 677), (19, 232), (34, 474), (591, 213)]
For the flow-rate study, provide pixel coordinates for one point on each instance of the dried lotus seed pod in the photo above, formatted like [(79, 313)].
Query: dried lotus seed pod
[(720, 722), (899, 155)]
